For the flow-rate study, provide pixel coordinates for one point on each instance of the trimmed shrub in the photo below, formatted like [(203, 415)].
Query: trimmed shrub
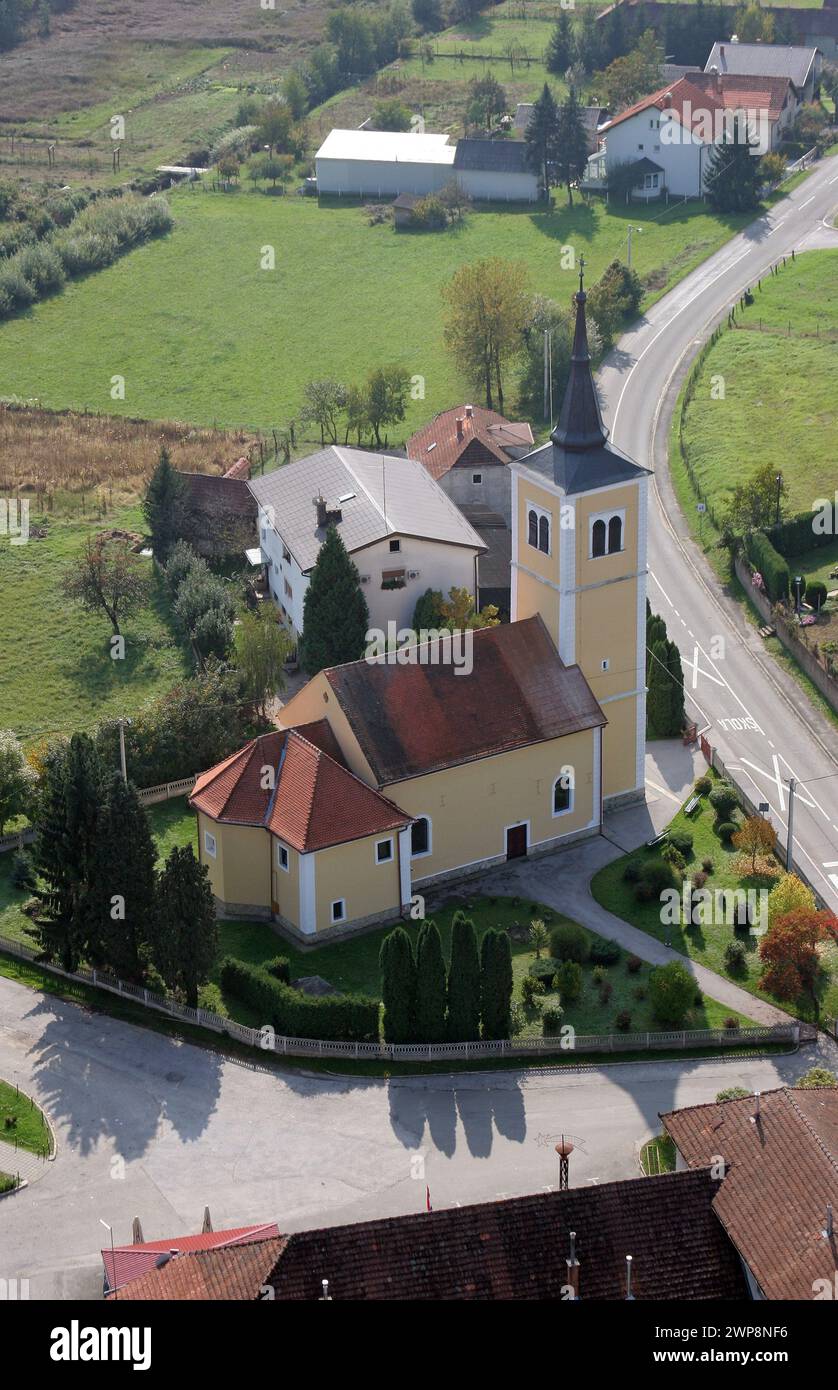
[(771, 565), (633, 964), (631, 873), (723, 799), (544, 970), (606, 989), (674, 858), (816, 595), (731, 1023), (726, 829), (551, 1019), (280, 969), (569, 941), (346, 1017), (569, 980), (672, 992), (707, 865), (604, 952), (623, 1021), (702, 786), (699, 879), (655, 877), (735, 957), (682, 840), (732, 1093), (530, 987), (797, 533), (598, 974)]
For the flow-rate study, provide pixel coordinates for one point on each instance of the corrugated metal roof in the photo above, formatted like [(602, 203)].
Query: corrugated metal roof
[(496, 156), (762, 60), (390, 497), (387, 147)]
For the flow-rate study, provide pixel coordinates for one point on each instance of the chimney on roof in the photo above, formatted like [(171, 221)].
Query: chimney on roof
[(722, 51), (459, 427), (755, 1118), (667, 100), (715, 80), (325, 1297), (573, 1267), (629, 1294), (174, 1253), (469, 412), (325, 516), (829, 1229)]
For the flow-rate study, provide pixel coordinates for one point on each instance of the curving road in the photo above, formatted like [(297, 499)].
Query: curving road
[(756, 715)]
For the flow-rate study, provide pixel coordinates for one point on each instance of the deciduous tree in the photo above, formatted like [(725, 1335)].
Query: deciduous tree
[(110, 578), (488, 307), (755, 838), (789, 953), (18, 779)]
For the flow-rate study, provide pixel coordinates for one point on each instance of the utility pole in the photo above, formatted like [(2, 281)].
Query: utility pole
[(122, 723), (790, 837)]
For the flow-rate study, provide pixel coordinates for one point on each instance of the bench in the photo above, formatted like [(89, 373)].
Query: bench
[(767, 631), (692, 805), (658, 840)]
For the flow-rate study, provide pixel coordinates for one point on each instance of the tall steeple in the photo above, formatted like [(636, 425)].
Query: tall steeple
[(580, 426)]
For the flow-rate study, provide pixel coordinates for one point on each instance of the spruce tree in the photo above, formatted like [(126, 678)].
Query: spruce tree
[(733, 176), (541, 136), (67, 826), (185, 930), (430, 985), (463, 982), (398, 987), (659, 697), (496, 984), (124, 884), (560, 48), (678, 715), (335, 614), (571, 144), (164, 505)]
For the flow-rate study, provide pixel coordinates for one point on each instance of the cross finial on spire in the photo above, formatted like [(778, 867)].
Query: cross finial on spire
[(581, 274)]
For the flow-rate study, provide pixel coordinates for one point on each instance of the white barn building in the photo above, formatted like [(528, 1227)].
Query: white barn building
[(386, 164)]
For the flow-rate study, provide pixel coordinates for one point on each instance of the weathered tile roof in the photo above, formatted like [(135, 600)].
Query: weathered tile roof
[(414, 719), (127, 1262), (782, 1172), (503, 1250), (378, 495), (690, 97), (486, 438), (220, 494), (317, 801)]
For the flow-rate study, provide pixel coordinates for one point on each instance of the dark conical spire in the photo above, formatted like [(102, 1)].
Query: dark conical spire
[(580, 424)]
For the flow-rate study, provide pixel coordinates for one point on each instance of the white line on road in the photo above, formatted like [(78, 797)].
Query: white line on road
[(808, 201)]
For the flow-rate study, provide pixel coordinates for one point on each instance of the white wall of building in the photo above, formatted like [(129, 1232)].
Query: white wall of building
[(380, 178), (497, 186), (493, 491), (640, 137)]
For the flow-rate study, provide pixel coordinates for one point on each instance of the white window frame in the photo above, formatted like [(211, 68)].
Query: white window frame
[(570, 801), (210, 844), (425, 853), (390, 857), (341, 903), (280, 850), (607, 517), (540, 512)]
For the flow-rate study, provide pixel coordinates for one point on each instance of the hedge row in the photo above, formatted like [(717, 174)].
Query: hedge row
[(772, 567), (339, 1017), (101, 233), (797, 534)]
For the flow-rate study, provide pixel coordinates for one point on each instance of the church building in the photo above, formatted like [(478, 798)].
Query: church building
[(394, 773)]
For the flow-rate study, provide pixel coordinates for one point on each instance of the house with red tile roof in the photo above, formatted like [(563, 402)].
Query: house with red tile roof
[(646, 1238), (467, 450), (668, 136), (124, 1263), (780, 1191)]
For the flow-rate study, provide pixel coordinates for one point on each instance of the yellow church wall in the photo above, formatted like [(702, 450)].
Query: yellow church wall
[(606, 630), (533, 597), (240, 871), (604, 567), (545, 565), (317, 700), (619, 747), (350, 872), (471, 806), (285, 883)]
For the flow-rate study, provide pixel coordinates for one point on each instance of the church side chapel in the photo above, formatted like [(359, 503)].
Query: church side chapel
[(385, 779)]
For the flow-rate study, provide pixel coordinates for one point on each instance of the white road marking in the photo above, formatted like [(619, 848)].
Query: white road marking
[(808, 201), (796, 842), (663, 791)]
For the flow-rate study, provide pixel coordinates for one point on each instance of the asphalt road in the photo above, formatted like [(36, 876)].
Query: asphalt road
[(158, 1129), (757, 716)]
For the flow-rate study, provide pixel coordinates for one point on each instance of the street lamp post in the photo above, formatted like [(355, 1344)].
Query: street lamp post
[(630, 230), (798, 580), (113, 1257)]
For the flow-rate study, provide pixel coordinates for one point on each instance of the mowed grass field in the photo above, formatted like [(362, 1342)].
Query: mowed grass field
[(780, 404), (201, 333), (57, 674)]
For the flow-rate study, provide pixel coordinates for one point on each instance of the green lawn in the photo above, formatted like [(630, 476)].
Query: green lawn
[(788, 337), (201, 333), (21, 1123), (658, 1155), (706, 943), (59, 675)]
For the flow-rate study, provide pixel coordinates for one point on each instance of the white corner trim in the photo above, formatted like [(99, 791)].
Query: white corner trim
[(405, 884), (308, 910), (567, 595)]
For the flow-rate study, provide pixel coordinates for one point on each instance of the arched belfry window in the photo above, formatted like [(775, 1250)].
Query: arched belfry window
[(615, 534), (606, 533), (598, 536), (544, 534), (532, 522), (538, 529)]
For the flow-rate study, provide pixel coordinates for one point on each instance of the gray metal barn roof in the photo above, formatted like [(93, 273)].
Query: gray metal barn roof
[(497, 156), (763, 60)]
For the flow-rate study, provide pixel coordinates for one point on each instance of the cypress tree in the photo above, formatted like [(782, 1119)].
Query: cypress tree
[(733, 176), (430, 985), (67, 826), (659, 698), (335, 613), (463, 982), (185, 931), (164, 505), (496, 984), (124, 886), (678, 715), (398, 987)]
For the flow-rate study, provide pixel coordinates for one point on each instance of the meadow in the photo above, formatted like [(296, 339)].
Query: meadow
[(201, 333), (787, 336)]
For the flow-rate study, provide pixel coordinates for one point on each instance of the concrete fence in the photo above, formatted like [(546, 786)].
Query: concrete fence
[(266, 1040)]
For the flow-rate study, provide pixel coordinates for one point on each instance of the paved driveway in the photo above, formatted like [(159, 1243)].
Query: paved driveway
[(158, 1129)]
